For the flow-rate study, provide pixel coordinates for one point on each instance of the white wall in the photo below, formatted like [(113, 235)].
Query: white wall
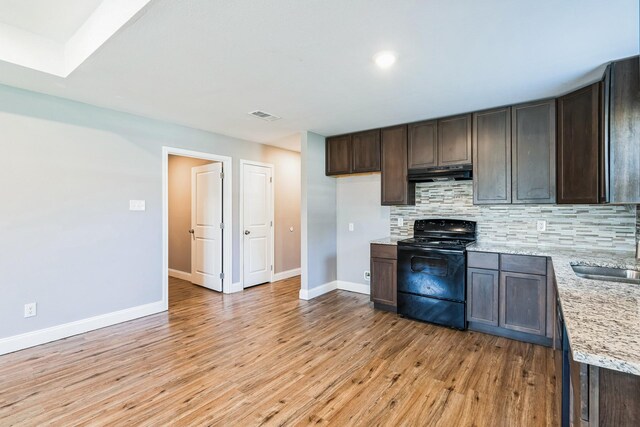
[(67, 173), (358, 202), (318, 220)]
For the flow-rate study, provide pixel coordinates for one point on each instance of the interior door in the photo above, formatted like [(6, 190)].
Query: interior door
[(257, 221), (206, 226)]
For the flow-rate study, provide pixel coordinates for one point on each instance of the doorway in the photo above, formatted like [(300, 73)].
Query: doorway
[(209, 239), (256, 223)]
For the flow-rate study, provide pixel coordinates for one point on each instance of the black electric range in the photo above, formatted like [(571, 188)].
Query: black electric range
[(432, 271)]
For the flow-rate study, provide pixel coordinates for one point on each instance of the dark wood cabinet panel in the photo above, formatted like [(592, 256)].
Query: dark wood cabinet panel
[(366, 151), (396, 188), (523, 302), (624, 131), (454, 140), (423, 144), (533, 165), (383, 281), (579, 146), (338, 154), (486, 260), (482, 296), (492, 157)]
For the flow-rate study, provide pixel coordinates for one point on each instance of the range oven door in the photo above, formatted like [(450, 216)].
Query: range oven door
[(434, 273)]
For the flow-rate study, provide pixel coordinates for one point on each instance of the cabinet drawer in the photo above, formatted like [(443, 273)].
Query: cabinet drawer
[(524, 264), (482, 260), (384, 251)]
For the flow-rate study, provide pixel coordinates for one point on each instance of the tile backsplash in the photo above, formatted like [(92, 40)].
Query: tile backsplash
[(606, 227)]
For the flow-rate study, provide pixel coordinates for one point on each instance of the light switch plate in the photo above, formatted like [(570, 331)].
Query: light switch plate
[(350, 226), (137, 205), (400, 222), (541, 225)]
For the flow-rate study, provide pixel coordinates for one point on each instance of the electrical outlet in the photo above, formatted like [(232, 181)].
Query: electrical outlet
[(400, 222), (350, 226), (30, 309), (367, 276), (541, 225)]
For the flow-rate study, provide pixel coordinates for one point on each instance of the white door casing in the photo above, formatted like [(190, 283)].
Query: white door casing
[(257, 223), (206, 226)]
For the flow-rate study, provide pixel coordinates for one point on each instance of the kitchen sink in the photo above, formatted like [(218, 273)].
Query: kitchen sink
[(607, 273)]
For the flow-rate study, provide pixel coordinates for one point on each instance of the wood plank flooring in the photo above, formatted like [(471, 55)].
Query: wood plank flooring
[(264, 357)]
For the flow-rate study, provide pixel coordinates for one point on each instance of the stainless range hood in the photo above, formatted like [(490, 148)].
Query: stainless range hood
[(457, 173)]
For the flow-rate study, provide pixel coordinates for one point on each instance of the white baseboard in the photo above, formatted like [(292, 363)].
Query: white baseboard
[(354, 287), (180, 274), (42, 336), (286, 274), (307, 294)]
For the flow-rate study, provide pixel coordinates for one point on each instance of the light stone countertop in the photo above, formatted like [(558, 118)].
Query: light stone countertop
[(388, 240), (602, 318)]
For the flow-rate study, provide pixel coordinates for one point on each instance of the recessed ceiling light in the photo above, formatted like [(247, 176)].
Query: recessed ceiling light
[(384, 59)]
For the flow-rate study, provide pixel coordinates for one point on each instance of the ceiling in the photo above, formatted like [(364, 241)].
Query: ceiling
[(56, 20), (207, 63)]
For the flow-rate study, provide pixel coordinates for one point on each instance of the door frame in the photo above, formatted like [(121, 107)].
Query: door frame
[(227, 216), (271, 215)]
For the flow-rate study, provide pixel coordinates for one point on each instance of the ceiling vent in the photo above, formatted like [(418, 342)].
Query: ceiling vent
[(264, 116)]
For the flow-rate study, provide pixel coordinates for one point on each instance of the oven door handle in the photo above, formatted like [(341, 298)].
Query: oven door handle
[(432, 250)]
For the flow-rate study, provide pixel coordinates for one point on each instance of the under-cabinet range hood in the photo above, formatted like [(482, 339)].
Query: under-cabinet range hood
[(462, 172)]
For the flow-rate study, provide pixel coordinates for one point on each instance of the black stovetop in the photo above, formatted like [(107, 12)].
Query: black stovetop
[(424, 242), (442, 234)]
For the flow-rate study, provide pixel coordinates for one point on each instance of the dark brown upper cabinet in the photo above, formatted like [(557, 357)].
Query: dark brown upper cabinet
[(454, 140), (623, 119), (533, 152), (492, 156), (338, 155), (396, 188), (579, 146), (366, 151), (423, 144)]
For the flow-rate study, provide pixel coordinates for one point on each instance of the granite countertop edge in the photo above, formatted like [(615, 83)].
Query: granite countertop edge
[(389, 240)]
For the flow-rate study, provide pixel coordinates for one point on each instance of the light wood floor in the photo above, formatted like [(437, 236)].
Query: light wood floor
[(266, 357)]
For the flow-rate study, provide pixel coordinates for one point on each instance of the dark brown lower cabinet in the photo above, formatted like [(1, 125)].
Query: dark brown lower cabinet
[(602, 397), (482, 296), (384, 263), (523, 302), (511, 296)]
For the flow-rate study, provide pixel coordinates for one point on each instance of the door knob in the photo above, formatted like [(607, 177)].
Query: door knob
[(193, 233), (246, 232)]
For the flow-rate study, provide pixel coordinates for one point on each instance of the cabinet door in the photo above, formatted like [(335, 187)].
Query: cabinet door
[(482, 296), (366, 151), (523, 302), (396, 189), (423, 144), (579, 146), (533, 152), (492, 157), (383, 281), (338, 155), (624, 131), (454, 141)]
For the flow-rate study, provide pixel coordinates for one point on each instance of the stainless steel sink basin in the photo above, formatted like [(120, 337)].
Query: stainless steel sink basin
[(607, 273)]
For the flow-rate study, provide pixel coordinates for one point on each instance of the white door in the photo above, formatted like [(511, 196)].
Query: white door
[(257, 223), (206, 226)]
